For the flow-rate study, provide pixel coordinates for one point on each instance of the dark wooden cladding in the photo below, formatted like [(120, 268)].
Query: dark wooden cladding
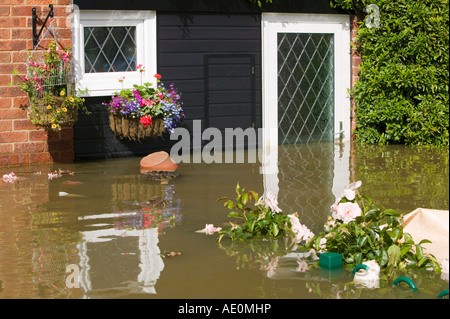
[(215, 62), (211, 6)]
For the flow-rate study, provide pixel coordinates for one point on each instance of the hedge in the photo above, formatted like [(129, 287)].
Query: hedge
[(402, 96)]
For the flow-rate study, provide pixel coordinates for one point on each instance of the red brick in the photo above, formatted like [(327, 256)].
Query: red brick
[(38, 135), (8, 160), (14, 45), (13, 114), (67, 156), (41, 158), (5, 57), (10, 91), (20, 102), (5, 34), (8, 137), (5, 102), (5, 10), (21, 33), (5, 125), (14, 2), (19, 125), (23, 11), (20, 57), (36, 147), (14, 22), (67, 133), (38, 2), (5, 80), (8, 68), (64, 2), (6, 148)]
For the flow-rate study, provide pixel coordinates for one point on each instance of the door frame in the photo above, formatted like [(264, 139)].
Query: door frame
[(274, 23)]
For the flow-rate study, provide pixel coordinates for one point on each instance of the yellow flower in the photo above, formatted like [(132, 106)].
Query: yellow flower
[(49, 107), (82, 99), (64, 109), (71, 99), (62, 93), (58, 110), (53, 126), (53, 119)]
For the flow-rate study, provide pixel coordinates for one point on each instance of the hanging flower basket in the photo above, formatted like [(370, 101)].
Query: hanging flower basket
[(42, 113), (131, 128), (145, 111), (49, 84)]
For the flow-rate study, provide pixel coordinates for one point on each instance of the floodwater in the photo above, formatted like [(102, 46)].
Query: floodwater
[(124, 235)]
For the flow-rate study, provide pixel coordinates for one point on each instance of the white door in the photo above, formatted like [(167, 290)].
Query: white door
[(306, 77)]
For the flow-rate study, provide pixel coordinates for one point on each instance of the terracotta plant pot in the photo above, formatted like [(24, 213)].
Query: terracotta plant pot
[(158, 162)]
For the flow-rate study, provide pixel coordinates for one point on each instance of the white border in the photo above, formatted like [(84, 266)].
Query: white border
[(274, 23), (105, 84)]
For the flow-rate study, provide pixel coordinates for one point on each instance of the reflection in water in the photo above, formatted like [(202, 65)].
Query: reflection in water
[(125, 259), (122, 221)]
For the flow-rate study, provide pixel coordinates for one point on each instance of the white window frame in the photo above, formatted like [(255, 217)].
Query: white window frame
[(339, 25), (106, 83)]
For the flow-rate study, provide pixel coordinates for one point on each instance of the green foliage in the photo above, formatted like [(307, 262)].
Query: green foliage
[(258, 220), (402, 94), (377, 234), (259, 2)]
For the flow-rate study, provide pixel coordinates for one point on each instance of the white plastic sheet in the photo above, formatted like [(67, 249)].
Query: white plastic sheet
[(429, 224)]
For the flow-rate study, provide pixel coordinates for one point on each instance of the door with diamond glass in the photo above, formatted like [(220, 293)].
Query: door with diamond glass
[(305, 91)]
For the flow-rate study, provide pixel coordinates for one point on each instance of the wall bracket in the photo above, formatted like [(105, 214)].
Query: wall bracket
[(34, 20)]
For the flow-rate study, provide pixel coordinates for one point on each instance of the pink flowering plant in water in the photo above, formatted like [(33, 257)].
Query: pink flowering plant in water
[(361, 232), (261, 218)]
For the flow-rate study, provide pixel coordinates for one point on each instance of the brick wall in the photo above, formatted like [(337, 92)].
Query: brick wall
[(20, 141), (356, 62)]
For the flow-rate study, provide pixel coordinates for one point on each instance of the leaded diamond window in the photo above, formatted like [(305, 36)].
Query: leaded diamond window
[(110, 49), (305, 87)]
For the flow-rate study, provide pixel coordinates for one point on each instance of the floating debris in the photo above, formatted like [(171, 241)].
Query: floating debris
[(162, 176), (64, 194), (10, 178), (169, 253), (72, 183)]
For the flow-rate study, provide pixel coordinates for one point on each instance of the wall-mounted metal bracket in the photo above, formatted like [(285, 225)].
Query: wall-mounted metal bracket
[(34, 18)]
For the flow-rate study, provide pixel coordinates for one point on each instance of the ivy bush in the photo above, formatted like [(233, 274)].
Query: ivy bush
[(402, 93)]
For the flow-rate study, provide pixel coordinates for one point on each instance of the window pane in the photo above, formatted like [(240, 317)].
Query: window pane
[(109, 49), (305, 87)]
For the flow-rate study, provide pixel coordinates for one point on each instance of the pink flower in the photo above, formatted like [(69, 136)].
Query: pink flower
[(347, 212), (10, 178), (139, 67), (350, 190), (157, 76), (121, 79), (302, 265), (270, 201), (210, 229), (302, 233), (271, 266)]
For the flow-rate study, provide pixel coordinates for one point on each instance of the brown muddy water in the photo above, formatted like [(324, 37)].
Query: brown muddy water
[(124, 235)]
